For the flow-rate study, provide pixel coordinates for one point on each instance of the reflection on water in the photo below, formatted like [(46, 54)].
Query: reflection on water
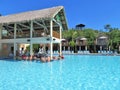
[(75, 72)]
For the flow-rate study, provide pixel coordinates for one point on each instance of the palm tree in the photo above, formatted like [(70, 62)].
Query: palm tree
[(72, 44), (107, 27)]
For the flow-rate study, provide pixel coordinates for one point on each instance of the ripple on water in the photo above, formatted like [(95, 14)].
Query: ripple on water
[(76, 72)]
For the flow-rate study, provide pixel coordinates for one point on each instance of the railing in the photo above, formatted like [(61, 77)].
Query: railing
[(26, 34)]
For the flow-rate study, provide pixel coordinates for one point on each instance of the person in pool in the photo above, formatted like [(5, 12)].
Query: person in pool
[(45, 59)]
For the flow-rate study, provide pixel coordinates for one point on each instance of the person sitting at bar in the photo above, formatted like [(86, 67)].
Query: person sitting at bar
[(41, 50), (18, 55), (26, 55)]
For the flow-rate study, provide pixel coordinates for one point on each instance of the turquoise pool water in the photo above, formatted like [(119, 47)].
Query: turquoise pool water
[(75, 72)]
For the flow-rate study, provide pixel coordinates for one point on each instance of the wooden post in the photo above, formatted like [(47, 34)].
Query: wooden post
[(101, 49), (60, 40), (15, 29), (31, 34), (0, 36), (64, 48), (109, 48), (79, 48), (86, 47), (51, 42)]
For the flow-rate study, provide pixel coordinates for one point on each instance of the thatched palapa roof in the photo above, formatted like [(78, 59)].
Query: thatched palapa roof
[(32, 15)]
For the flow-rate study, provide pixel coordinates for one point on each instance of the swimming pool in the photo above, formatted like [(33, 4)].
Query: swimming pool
[(75, 72)]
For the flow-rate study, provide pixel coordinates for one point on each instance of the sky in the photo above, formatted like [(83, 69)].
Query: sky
[(93, 13)]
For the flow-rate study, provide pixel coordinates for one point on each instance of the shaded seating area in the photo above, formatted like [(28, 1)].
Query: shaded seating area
[(33, 27)]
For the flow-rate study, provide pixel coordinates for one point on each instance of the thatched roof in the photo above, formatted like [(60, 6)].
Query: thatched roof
[(81, 38), (103, 37), (31, 15)]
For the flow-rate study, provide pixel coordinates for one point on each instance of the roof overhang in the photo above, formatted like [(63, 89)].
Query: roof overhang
[(103, 37), (83, 39), (38, 15), (43, 40)]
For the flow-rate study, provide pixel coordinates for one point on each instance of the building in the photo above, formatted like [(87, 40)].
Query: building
[(102, 43), (33, 27)]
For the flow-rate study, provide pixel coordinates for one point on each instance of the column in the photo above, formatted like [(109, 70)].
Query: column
[(51, 42), (15, 46), (0, 38), (119, 48), (31, 44), (64, 48), (86, 47), (60, 40), (79, 48), (101, 49), (69, 48), (109, 48)]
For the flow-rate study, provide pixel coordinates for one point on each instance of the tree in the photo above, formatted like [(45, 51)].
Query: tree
[(90, 35), (74, 35), (115, 38), (72, 44), (35, 46), (107, 27), (67, 34)]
